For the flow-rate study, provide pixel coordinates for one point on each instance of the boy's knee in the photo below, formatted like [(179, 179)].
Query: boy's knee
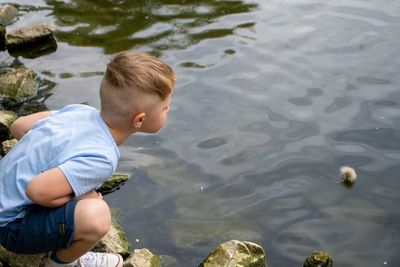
[(93, 216)]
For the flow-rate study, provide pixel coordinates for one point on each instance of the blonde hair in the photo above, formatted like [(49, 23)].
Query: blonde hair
[(131, 81)]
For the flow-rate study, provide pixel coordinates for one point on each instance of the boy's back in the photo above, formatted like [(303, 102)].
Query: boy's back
[(75, 139)]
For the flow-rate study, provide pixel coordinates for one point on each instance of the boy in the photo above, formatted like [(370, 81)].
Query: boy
[(48, 201)]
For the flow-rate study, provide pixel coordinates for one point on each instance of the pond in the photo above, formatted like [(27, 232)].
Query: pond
[(272, 98)]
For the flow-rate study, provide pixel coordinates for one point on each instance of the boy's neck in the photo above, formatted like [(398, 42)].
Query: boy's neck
[(119, 135)]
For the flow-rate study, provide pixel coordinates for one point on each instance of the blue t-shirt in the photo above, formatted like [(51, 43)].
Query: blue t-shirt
[(75, 139)]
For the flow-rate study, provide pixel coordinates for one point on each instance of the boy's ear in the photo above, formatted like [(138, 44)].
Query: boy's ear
[(138, 119)]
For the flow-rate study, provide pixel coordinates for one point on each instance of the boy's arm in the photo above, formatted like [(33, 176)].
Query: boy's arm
[(23, 124), (50, 189)]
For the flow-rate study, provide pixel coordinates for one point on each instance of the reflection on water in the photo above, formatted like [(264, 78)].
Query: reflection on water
[(158, 25), (273, 97)]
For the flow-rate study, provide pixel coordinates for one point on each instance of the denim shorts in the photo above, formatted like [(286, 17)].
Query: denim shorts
[(41, 230)]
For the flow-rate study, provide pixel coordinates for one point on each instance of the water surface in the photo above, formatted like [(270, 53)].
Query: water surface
[(273, 97)]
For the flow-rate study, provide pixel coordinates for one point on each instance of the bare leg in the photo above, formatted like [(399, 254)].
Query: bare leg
[(92, 222)]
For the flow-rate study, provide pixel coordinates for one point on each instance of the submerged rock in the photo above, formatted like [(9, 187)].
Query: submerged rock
[(32, 41), (192, 234), (6, 119), (236, 253), (18, 84), (142, 258), (319, 259), (7, 14)]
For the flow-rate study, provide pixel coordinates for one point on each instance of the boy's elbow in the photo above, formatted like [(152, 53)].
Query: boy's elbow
[(16, 129), (37, 196), (33, 194), (44, 198)]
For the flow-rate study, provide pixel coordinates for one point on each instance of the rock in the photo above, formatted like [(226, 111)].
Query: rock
[(318, 259), (19, 260), (142, 258), (18, 84), (31, 42), (6, 119), (7, 14), (114, 183), (236, 253), (115, 241), (7, 145), (29, 35)]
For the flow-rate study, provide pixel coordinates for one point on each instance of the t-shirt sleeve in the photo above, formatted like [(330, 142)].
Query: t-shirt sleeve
[(86, 173)]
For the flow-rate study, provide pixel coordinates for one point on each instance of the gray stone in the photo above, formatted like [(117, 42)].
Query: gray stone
[(29, 35), (31, 42), (7, 14), (142, 258), (319, 259), (18, 84), (236, 253)]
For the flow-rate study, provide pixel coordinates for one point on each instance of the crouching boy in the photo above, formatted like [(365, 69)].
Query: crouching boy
[(48, 201)]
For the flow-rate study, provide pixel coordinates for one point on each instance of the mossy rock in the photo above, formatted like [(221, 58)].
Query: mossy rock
[(18, 84), (113, 183), (319, 259), (236, 253), (142, 258)]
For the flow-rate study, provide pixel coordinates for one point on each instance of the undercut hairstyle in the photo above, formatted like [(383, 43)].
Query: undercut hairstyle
[(130, 77)]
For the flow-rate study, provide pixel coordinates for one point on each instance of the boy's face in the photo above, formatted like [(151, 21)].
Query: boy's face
[(156, 117)]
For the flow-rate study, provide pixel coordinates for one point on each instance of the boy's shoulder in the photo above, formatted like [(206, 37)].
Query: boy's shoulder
[(74, 114), (75, 108)]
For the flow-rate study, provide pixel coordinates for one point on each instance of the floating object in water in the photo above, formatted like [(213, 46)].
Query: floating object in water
[(348, 174)]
